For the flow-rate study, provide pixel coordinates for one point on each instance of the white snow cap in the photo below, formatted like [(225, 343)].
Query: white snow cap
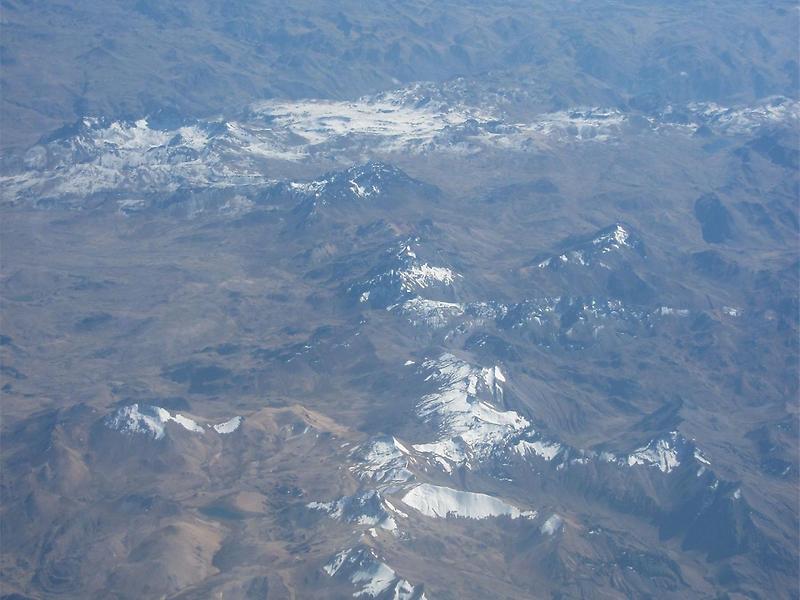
[(143, 419), (442, 502), (228, 426), (464, 408), (366, 508), (541, 448), (661, 453), (384, 460), (371, 576), (147, 420), (432, 313)]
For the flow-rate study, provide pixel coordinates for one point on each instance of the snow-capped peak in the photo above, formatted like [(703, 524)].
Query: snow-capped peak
[(144, 419), (663, 453), (588, 250), (401, 276), (617, 236), (541, 448), (384, 460), (360, 182), (465, 412), (147, 420), (372, 577), (416, 274), (367, 508)]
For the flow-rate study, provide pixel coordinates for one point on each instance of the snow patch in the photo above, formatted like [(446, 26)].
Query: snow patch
[(659, 453), (431, 313), (228, 426), (669, 311), (422, 275), (744, 120), (186, 423), (700, 458), (552, 525), (546, 450)]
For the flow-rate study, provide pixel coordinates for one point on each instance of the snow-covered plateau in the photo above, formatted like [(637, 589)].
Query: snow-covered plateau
[(97, 155)]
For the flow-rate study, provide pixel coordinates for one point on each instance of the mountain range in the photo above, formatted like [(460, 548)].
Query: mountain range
[(399, 301)]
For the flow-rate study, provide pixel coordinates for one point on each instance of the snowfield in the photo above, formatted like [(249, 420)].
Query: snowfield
[(442, 502), (101, 156), (429, 313), (552, 525), (228, 426)]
